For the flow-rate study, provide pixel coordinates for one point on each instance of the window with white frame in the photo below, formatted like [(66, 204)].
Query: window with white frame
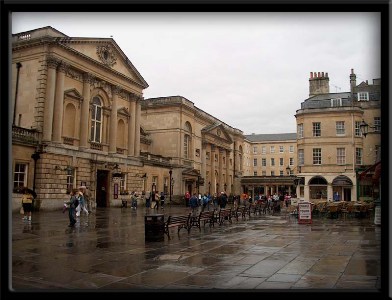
[(263, 150), (272, 161), (291, 160), (363, 96), (358, 156), (340, 128), (255, 162), (336, 102), (20, 175), (187, 139), (281, 173), (254, 149), (341, 156), (96, 120), (272, 173), (281, 149), (377, 124), (291, 149), (70, 179), (358, 132), (263, 162), (255, 173), (272, 149), (301, 157), (281, 161), (316, 129), (300, 130), (317, 156), (123, 186)]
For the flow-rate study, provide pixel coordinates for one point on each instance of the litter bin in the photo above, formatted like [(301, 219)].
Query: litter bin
[(154, 227)]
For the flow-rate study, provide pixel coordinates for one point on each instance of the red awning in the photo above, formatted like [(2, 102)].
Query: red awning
[(377, 170)]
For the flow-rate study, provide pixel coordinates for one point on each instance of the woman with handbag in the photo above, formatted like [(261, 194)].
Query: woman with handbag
[(27, 204)]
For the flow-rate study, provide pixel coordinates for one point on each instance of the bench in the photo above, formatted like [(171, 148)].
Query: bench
[(224, 215), (182, 221), (203, 217)]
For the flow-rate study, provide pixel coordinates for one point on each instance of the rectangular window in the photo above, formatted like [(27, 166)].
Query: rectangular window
[(300, 131), (216, 157), (358, 156), (281, 173), (70, 179), (281, 149), (301, 157), (291, 161), (255, 162), (291, 149), (263, 162), (281, 161), (272, 161), (263, 150), (272, 173), (341, 156), (357, 129), (316, 129), (123, 181), (340, 128), (377, 124), (264, 173), (317, 156), (20, 175), (336, 102), (255, 173), (363, 96), (207, 155), (272, 149), (254, 150)]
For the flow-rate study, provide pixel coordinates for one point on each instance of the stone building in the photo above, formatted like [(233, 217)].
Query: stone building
[(331, 148), (79, 118)]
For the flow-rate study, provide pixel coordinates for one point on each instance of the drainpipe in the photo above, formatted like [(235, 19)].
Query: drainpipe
[(18, 66), (36, 157)]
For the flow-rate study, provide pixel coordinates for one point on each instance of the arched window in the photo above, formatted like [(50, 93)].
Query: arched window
[(96, 120), (187, 139)]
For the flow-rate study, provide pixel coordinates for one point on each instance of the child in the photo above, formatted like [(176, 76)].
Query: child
[(73, 203)]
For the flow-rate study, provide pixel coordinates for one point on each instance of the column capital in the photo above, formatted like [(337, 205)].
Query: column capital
[(88, 78), (63, 67), (52, 62), (116, 90)]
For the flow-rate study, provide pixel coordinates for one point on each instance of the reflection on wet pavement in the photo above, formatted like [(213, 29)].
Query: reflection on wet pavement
[(107, 250)]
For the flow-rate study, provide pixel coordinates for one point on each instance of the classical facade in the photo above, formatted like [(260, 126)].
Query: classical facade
[(79, 118), (331, 149)]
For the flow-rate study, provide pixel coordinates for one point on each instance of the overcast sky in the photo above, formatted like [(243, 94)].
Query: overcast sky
[(249, 70)]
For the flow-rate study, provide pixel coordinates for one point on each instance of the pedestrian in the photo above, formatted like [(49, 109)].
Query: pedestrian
[(148, 199), (193, 201), (162, 198), (87, 198), (156, 199), (187, 197), (223, 200), (134, 196), (72, 203), (204, 199), (27, 204), (82, 202)]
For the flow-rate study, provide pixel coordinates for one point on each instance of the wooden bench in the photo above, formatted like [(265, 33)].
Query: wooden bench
[(182, 221), (224, 215), (203, 217)]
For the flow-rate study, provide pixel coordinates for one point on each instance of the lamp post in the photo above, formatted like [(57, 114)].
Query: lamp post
[(170, 185), (36, 157), (209, 187), (198, 184)]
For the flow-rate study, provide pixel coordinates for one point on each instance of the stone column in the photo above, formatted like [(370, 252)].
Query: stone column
[(330, 192), (221, 179), (203, 162), (137, 128), (85, 113), (52, 64), (58, 110), (113, 121), (131, 126), (213, 179), (227, 155)]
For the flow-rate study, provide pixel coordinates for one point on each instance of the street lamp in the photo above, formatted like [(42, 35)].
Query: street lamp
[(170, 187), (364, 127)]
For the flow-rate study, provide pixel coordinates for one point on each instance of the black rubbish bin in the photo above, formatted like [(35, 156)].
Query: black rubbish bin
[(154, 227)]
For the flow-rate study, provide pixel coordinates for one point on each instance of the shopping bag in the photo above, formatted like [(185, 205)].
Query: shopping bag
[(21, 211)]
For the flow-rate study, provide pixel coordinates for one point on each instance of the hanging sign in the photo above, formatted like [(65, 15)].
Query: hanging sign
[(304, 213)]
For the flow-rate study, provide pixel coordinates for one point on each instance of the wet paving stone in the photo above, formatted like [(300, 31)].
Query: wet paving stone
[(107, 251)]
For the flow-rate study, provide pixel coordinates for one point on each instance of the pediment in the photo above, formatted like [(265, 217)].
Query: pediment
[(123, 111), (73, 93), (362, 84), (105, 51), (217, 132)]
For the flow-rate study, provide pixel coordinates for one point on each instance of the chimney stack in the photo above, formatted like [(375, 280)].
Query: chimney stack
[(318, 83)]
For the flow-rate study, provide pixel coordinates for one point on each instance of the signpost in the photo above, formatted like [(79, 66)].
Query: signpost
[(304, 213)]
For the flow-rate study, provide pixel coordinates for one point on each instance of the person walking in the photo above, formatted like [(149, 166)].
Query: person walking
[(162, 199), (82, 202), (72, 203), (187, 198), (148, 199), (193, 203), (156, 199), (27, 204)]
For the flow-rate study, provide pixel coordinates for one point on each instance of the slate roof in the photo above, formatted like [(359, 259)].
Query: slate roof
[(271, 137)]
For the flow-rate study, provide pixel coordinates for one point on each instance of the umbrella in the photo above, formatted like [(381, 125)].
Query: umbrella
[(30, 191)]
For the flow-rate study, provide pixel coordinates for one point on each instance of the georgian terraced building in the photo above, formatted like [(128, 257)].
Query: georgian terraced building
[(80, 118)]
